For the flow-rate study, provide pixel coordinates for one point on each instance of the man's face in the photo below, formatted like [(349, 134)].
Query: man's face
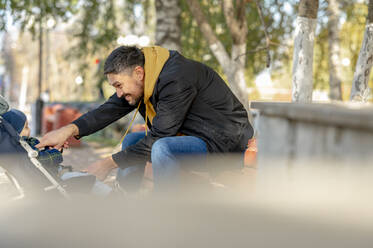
[(129, 84)]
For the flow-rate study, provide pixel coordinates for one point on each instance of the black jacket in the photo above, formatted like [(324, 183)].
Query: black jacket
[(188, 98)]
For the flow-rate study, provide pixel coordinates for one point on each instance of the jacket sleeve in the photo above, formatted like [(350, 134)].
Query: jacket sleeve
[(174, 101), (113, 109)]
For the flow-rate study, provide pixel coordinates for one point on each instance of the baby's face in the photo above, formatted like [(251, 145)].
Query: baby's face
[(26, 130)]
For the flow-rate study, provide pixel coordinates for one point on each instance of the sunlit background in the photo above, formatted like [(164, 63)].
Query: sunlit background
[(76, 42)]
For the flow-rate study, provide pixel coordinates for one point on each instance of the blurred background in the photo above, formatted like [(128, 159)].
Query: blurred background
[(55, 50)]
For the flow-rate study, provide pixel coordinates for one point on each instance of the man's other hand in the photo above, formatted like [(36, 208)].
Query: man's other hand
[(57, 138), (101, 168)]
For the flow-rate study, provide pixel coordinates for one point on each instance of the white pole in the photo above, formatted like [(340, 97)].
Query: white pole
[(23, 94)]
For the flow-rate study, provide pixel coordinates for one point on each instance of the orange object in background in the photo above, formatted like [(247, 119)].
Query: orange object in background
[(49, 117), (251, 153), (58, 115), (65, 116), (138, 128)]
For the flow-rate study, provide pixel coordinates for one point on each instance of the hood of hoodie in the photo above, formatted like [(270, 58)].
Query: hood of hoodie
[(155, 58)]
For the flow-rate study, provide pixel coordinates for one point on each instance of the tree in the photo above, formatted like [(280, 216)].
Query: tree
[(233, 64), (334, 50), (168, 28), (302, 82), (360, 89), (32, 15)]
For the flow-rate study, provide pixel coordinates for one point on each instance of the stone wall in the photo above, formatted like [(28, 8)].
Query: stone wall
[(291, 133)]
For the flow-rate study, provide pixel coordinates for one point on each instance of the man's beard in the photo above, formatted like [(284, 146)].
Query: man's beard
[(136, 102)]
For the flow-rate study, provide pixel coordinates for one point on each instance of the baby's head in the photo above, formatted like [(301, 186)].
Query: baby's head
[(18, 120)]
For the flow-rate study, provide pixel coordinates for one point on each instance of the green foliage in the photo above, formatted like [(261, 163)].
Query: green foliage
[(96, 29), (195, 46), (98, 23), (95, 33), (193, 43), (352, 32), (351, 36), (30, 14), (321, 61)]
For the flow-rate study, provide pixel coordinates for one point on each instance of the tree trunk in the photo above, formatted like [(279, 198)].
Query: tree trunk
[(216, 47), (150, 18), (233, 65), (236, 21), (303, 51), (360, 89), (168, 28), (334, 50), (238, 82)]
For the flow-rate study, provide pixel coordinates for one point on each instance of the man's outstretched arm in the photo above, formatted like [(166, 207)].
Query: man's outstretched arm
[(113, 109), (57, 138)]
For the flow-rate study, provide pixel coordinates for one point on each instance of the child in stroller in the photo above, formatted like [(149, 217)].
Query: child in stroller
[(50, 158), (14, 134)]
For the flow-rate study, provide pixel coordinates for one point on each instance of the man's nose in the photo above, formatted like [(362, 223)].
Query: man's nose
[(119, 93)]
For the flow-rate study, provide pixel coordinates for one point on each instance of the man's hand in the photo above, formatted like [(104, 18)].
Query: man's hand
[(101, 168), (57, 138)]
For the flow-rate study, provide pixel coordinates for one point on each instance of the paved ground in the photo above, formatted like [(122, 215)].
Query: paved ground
[(82, 156)]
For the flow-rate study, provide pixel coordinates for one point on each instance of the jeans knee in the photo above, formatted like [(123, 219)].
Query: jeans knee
[(160, 149), (131, 139)]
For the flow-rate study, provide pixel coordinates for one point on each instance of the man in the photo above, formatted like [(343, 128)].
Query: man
[(187, 107)]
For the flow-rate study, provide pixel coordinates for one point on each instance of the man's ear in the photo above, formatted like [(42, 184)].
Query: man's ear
[(139, 72)]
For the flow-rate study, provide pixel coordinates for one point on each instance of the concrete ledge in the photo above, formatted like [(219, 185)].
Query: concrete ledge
[(355, 116), (291, 133)]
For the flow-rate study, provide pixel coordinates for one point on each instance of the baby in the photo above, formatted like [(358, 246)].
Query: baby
[(49, 158), (52, 158)]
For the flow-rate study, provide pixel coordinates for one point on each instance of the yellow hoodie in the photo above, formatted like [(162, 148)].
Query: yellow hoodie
[(155, 58)]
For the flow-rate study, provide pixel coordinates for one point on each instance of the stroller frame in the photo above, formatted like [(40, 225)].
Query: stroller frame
[(32, 155)]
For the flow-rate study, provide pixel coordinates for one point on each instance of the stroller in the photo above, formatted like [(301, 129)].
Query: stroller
[(22, 168)]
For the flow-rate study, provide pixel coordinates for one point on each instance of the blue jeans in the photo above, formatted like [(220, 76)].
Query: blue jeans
[(166, 161)]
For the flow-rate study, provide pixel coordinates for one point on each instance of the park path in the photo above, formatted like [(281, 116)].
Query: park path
[(87, 153)]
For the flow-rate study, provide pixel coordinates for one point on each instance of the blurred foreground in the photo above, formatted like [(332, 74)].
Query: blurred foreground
[(314, 204)]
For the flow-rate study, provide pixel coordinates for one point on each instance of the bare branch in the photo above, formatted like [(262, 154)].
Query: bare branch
[(261, 48)]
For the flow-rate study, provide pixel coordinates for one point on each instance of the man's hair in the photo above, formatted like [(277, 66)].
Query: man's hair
[(122, 58)]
